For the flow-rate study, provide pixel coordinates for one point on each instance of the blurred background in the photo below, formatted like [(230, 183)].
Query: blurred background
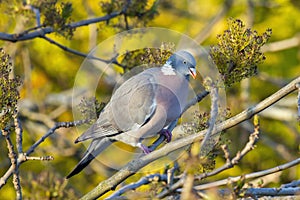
[(48, 74)]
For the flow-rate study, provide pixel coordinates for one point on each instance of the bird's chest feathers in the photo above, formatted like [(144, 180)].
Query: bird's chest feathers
[(168, 70), (172, 90)]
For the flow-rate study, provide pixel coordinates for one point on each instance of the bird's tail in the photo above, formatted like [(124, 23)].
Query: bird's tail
[(95, 148)]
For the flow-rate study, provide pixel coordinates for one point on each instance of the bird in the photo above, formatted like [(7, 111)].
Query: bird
[(143, 106)]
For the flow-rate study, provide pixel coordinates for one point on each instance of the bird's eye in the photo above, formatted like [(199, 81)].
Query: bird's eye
[(184, 62)]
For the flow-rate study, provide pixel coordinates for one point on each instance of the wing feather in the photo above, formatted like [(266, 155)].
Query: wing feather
[(131, 106)]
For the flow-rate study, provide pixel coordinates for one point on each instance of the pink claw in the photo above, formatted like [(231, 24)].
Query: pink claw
[(167, 134), (144, 148)]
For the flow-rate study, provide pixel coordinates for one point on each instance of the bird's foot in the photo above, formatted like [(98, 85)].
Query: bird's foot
[(144, 148), (167, 134)]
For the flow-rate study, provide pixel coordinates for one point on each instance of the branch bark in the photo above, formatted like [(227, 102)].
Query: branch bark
[(14, 164), (23, 157), (28, 35), (248, 176)]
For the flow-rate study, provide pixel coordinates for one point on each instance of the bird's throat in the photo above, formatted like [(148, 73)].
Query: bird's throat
[(167, 69)]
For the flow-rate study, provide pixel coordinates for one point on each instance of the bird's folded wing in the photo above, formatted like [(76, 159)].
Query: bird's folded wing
[(131, 106), (134, 103)]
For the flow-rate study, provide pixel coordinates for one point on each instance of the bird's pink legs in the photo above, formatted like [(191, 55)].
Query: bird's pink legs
[(167, 134), (144, 148), (164, 132)]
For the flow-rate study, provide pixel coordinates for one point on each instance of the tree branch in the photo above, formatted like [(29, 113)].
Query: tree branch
[(28, 34), (249, 176), (253, 138), (133, 166), (143, 181), (255, 192), (14, 164), (78, 53), (19, 134), (25, 156), (282, 45), (207, 142), (298, 101), (195, 100), (291, 184)]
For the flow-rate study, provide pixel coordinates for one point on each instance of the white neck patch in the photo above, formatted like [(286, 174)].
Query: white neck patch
[(167, 69)]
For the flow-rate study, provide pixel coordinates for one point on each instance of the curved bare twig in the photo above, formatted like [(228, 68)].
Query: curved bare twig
[(23, 157), (249, 176)]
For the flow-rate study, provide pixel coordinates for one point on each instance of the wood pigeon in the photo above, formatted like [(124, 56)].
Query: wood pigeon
[(143, 106)]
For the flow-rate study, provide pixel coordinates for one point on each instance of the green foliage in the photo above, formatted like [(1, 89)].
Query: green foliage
[(56, 16), (47, 185), (198, 165), (199, 123), (9, 94), (148, 56), (238, 52), (137, 10), (203, 163)]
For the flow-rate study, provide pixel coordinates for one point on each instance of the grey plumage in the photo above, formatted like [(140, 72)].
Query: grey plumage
[(141, 107)]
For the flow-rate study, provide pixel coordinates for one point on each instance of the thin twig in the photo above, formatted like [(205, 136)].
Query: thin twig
[(52, 130), (36, 12), (78, 53), (282, 45), (195, 100), (28, 35), (225, 149), (170, 174), (229, 163), (14, 163), (298, 101), (253, 138), (24, 157), (187, 187), (42, 158), (143, 181), (249, 176), (291, 184), (19, 134), (36, 116), (256, 192), (207, 143)]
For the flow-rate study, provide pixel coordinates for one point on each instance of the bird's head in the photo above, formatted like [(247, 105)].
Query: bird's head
[(183, 62)]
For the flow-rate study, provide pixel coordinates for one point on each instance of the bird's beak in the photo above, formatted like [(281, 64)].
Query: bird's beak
[(193, 72)]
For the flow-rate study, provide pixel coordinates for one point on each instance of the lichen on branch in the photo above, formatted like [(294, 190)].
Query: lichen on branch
[(9, 94), (56, 15)]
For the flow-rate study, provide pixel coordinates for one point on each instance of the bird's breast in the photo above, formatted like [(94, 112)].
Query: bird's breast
[(172, 93)]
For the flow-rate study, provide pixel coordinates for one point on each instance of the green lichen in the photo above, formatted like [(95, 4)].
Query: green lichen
[(9, 94), (56, 16), (148, 57), (135, 13), (238, 52)]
